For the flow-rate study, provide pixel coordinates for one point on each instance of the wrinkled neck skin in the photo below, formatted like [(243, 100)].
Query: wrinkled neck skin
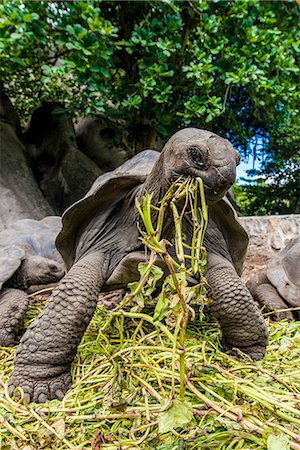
[(19, 280), (156, 183)]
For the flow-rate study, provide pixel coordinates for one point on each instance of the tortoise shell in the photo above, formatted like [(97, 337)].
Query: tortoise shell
[(111, 187), (27, 237)]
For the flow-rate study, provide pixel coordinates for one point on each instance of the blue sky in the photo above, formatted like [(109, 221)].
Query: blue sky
[(246, 164)]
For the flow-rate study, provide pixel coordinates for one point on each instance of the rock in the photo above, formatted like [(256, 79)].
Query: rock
[(269, 234), (20, 195)]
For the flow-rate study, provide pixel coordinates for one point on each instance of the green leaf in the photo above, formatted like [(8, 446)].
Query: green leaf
[(139, 298), (133, 286), (35, 16), (180, 413), (278, 442), (155, 273), (16, 36), (228, 424), (165, 447), (104, 71), (209, 118), (26, 17), (285, 343), (96, 68), (153, 276), (162, 307)]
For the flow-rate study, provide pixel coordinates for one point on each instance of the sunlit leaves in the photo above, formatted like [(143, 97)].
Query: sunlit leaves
[(230, 66)]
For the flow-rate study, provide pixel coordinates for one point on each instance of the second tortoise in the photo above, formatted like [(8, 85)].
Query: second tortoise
[(27, 257), (278, 288)]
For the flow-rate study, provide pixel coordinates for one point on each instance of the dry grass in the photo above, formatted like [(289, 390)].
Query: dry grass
[(123, 380), (139, 383)]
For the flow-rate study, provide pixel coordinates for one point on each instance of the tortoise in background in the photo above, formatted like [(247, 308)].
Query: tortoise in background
[(63, 173), (27, 257), (279, 287), (100, 245)]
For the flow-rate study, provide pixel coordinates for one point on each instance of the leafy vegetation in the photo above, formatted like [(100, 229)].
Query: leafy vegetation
[(122, 383), (230, 66), (276, 190)]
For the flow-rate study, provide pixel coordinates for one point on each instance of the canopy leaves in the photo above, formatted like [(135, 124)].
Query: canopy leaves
[(230, 66)]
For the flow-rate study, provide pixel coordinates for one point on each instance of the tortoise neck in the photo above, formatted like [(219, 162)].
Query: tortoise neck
[(156, 183), (19, 279)]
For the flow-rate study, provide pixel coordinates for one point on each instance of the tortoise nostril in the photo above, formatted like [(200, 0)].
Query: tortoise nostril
[(227, 177), (225, 182)]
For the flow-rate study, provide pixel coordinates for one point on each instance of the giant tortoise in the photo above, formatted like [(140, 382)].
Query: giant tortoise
[(278, 288), (27, 257), (100, 241), (63, 173)]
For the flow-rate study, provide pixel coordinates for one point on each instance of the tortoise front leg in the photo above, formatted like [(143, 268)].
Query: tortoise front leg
[(241, 321), (13, 305), (47, 349), (267, 296)]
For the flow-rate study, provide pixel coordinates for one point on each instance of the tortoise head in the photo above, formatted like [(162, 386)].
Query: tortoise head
[(40, 270), (200, 153)]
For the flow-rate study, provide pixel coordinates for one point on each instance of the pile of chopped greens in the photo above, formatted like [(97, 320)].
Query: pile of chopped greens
[(151, 374)]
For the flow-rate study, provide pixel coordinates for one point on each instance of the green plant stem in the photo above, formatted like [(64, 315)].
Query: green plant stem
[(147, 318), (144, 277), (12, 429), (183, 324)]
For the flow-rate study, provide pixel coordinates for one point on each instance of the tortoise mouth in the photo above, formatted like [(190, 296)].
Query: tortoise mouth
[(175, 175), (212, 194)]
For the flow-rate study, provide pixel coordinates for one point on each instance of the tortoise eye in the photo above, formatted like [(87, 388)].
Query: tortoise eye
[(196, 157), (52, 267)]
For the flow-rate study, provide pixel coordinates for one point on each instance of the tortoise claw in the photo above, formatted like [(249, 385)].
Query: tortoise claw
[(256, 352), (38, 389)]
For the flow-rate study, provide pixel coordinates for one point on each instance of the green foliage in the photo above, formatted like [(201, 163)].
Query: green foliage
[(260, 198), (277, 188), (154, 274), (230, 66), (231, 63), (122, 387)]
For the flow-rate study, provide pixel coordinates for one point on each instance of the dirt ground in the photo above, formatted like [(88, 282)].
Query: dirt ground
[(254, 263)]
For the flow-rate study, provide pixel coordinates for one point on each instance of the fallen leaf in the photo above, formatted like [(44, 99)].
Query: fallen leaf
[(99, 439), (179, 414), (278, 442), (60, 427)]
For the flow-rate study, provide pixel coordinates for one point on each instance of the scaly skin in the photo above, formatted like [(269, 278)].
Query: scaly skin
[(47, 349), (267, 295), (242, 324), (13, 305)]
